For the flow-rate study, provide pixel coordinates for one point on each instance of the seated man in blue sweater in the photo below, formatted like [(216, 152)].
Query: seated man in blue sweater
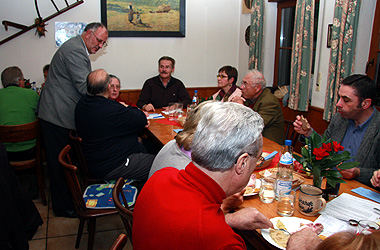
[(109, 131)]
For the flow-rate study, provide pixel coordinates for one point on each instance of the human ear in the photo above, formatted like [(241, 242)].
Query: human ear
[(241, 164)]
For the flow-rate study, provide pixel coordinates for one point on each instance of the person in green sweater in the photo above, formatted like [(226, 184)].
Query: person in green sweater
[(17, 106)]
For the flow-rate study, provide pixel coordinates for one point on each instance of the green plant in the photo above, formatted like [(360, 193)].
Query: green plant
[(321, 156)]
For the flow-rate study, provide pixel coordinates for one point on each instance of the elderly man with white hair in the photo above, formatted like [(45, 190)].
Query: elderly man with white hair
[(180, 209), (256, 96)]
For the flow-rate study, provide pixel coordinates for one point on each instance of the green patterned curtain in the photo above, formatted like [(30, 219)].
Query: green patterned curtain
[(256, 35), (342, 55), (302, 55)]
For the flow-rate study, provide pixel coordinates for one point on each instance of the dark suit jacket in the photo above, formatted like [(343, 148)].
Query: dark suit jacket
[(65, 84), (269, 108), (369, 151)]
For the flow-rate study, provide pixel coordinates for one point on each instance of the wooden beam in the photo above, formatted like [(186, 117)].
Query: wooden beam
[(25, 29)]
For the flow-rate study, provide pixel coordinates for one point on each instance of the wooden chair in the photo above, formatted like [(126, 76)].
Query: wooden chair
[(83, 213), (124, 211), (76, 142), (290, 133), (120, 242), (22, 133)]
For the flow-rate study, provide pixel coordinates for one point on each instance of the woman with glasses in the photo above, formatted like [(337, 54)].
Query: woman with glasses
[(227, 77)]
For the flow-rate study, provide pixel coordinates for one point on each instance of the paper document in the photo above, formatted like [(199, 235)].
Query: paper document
[(346, 207), (340, 210), (155, 116)]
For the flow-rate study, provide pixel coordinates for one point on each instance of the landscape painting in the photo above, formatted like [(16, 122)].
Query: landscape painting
[(144, 18)]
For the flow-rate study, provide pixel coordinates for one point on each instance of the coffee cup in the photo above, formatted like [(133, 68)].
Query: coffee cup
[(310, 200)]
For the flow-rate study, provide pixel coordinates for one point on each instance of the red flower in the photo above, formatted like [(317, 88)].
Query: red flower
[(337, 146), (326, 147), (320, 153)]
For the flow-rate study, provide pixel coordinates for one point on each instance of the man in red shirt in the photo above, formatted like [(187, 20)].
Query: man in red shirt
[(181, 209)]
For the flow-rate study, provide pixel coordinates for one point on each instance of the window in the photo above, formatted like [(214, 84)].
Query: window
[(284, 39)]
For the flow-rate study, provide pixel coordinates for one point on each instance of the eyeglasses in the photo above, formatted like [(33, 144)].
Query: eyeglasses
[(261, 156), (221, 76), (103, 43)]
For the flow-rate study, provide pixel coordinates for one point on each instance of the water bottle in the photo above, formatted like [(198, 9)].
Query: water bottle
[(285, 169), (194, 102)]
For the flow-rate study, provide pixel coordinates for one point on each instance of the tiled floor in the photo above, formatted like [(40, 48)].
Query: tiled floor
[(60, 233)]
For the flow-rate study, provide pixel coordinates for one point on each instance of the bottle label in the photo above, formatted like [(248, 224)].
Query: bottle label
[(283, 186), (286, 158)]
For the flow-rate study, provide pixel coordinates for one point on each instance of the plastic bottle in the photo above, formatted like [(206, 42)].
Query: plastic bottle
[(285, 169), (195, 98)]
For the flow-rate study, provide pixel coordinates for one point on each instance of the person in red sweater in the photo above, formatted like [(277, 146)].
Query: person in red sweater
[(181, 209)]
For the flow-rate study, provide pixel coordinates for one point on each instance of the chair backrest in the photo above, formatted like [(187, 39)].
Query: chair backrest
[(125, 213), (72, 180), (120, 242), (290, 133), (76, 142), (22, 133)]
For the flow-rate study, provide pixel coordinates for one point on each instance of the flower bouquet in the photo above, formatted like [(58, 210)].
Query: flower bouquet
[(321, 156)]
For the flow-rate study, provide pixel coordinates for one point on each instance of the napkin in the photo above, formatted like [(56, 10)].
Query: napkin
[(367, 193), (155, 116)]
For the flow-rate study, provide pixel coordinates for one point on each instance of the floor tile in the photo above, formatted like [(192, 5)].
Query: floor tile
[(61, 226), (41, 231), (38, 244)]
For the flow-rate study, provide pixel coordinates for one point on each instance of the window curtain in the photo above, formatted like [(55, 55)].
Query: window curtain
[(342, 55), (302, 55), (256, 35)]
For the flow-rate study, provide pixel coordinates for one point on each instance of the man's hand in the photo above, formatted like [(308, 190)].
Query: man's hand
[(350, 173), (232, 201), (375, 180), (305, 239), (238, 99), (165, 108), (302, 126), (248, 219), (148, 107)]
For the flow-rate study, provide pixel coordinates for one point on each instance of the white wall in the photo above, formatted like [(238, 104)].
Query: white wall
[(213, 39)]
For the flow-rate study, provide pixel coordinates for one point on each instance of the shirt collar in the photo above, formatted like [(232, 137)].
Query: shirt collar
[(365, 124), (85, 46)]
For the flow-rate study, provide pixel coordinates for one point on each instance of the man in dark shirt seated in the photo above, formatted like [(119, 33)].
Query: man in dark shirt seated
[(158, 91), (109, 132)]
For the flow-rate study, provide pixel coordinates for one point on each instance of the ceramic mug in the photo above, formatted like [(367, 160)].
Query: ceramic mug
[(310, 200)]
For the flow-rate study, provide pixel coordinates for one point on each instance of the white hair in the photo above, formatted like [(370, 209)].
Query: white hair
[(225, 132)]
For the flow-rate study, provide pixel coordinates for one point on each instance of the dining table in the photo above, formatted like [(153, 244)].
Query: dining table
[(162, 132)]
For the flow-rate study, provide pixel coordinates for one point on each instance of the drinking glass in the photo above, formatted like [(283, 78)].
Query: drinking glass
[(179, 111), (172, 109), (285, 204), (267, 189), (367, 226)]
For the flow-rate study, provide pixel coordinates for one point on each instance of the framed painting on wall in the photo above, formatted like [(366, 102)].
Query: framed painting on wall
[(144, 18)]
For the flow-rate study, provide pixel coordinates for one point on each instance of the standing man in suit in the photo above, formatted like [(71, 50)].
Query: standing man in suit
[(65, 85), (256, 96)]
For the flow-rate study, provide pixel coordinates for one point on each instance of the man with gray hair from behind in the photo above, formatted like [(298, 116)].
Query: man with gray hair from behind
[(184, 205)]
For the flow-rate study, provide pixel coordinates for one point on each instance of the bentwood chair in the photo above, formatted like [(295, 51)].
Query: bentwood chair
[(124, 211), (22, 133), (290, 133), (84, 214), (120, 242), (76, 142)]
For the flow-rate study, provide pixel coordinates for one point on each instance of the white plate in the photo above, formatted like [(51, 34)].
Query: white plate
[(257, 187), (291, 224)]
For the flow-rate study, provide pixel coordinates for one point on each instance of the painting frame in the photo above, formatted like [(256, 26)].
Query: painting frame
[(145, 32)]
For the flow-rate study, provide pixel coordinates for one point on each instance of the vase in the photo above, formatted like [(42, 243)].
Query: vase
[(317, 181)]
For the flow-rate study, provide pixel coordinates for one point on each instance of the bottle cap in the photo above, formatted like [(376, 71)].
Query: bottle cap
[(288, 142), (195, 91)]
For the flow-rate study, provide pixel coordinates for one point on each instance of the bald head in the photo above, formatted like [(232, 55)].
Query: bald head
[(97, 82)]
